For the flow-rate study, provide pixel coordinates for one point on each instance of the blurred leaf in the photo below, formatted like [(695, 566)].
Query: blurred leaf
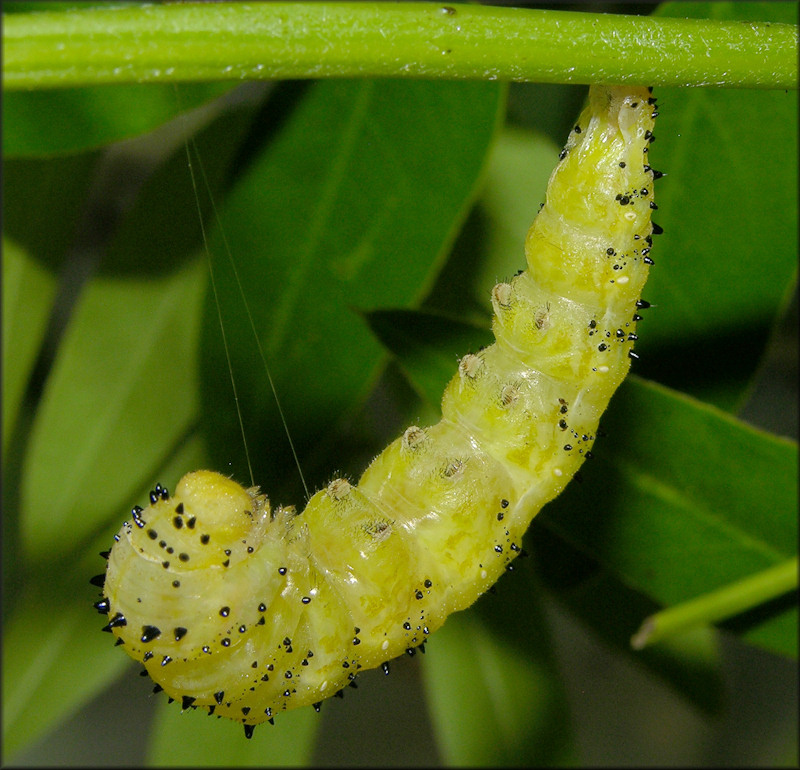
[(28, 293), (728, 258), (43, 201), (192, 740), (60, 656), (124, 377), (428, 346), (490, 247), (54, 656), (493, 687), (128, 360), (44, 123), (690, 662), (352, 204), (682, 498)]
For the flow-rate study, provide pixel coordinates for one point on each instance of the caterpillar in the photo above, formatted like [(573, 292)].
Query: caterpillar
[(248, 611)]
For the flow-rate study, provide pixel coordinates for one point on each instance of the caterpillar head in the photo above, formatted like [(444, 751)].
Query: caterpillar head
[(177, 585)]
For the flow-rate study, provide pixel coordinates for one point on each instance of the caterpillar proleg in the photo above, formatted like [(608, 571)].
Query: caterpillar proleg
[(249, 611)]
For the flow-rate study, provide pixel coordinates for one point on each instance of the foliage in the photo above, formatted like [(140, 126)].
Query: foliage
[(368, 220)]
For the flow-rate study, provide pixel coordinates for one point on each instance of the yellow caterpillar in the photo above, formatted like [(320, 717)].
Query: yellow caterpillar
[(249, 611)]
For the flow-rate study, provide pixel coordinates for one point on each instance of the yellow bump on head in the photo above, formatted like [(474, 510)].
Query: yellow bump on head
[(219, 498), (225, 510)]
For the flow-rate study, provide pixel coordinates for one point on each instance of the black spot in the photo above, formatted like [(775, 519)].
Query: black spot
[(115, 622), (149, 633), (103, 606)]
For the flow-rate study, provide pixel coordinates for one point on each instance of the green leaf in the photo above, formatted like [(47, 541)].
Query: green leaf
[(28, 293), (44, 123), (43, 201), (494, 693), (128, 360), (427, 345), (192, 740), (130, 386), (727, 260), (690, 662), (682, 498), (350, 206), (54, 656)]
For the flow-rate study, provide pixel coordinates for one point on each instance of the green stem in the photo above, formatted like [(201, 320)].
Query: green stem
[(719, 605), (235, 41)]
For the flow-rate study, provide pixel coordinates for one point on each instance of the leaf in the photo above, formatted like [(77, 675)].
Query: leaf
[(351, 205), (428, 346), (130, 386), (54, 656), (684, 498), (28, 293), (192, 740), (494, 693), (128, 360), (726, 263), (45, 123), (43, 202)]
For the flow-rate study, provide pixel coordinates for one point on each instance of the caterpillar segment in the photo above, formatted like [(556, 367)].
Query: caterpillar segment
[(248, 611)]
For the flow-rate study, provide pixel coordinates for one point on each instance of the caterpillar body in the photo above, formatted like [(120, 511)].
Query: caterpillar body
[(248, 611)]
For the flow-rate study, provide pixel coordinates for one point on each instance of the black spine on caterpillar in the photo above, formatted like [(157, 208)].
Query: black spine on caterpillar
[(248, 612)]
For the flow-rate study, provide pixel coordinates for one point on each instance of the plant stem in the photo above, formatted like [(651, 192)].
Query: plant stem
[(237, 41), (718, 605)]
